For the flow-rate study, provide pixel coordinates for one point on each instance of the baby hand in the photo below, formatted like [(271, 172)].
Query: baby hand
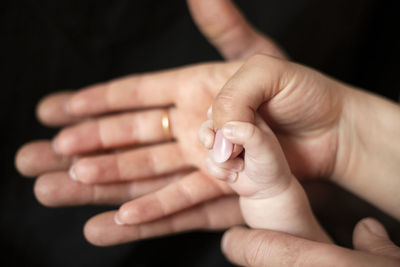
[(270, 196)]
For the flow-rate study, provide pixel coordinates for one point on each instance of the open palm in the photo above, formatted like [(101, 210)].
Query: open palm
[(118, 157)]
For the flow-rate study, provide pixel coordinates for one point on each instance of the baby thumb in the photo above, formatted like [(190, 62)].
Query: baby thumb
[(263, 156)]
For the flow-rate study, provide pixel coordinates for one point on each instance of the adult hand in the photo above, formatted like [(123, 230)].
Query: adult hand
[(326, 128), (372, 247), (104, 136)]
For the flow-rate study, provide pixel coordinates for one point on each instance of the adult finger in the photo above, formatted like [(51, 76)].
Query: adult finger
[(206, 134), (139, 91), (52, 110), (189, 191), (287, 94), (136, 91), (113, 131), (37, 157), (221, 213), (371, 236), (145, 162), (257, 81), (56, 189), (224, 25), (247, 247)]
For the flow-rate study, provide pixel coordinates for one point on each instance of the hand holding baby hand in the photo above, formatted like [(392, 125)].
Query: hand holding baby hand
[(271, 197)]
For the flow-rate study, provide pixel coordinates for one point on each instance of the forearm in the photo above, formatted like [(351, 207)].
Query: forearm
[(368, 158)]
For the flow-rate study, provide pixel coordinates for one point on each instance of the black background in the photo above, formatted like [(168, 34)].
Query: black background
[(47, 46)]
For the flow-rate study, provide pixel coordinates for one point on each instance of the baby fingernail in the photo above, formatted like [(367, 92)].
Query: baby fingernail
[(232, 177), (227, 130), (222, 149)]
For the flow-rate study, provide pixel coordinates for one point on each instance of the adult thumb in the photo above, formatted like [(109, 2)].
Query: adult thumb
[(254, 84), (225, 27), (371, 236)]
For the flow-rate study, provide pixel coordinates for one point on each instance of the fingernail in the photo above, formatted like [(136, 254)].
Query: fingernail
[(67, 107), (207, 140), (375, 228), (117, 220), (222, 149), (225, 240), (54, 146), (227, 130), (72, 173), (232, 177)]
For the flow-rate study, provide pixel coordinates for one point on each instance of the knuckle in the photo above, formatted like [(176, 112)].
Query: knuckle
[(257, 250)]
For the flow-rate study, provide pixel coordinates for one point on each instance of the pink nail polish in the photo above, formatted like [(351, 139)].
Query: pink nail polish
[(222, 149)]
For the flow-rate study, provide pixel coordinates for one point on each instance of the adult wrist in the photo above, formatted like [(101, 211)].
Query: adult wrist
[(368, 153)]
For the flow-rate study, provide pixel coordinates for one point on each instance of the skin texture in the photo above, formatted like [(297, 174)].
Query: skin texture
[(270, 196), (324, 126), (334, 125), (58, 110), (253, 248)]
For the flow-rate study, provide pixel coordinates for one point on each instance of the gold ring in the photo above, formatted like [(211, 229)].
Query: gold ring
[(165, 123)]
